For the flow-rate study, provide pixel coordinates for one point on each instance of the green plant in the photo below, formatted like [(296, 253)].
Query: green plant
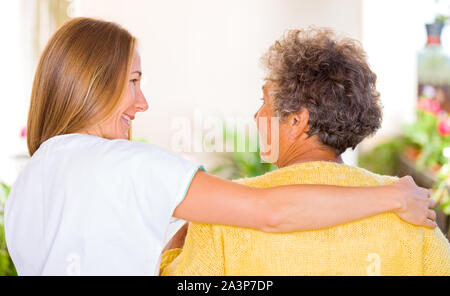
[(237, 165), (441, 18), (383, 159), (441, 193), (430, 135), (242, 164), (139, 139), (424, 135), (6, 264)]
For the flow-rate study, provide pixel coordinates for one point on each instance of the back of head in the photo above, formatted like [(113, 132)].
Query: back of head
[(80, 78), (315, 69)]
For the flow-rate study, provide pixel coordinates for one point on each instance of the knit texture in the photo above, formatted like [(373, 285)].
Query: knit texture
[(380, 245)]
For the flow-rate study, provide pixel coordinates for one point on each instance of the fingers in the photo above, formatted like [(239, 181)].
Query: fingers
[(424, 192), (429, 224), (431, 203), (407, 179), (431, 215)]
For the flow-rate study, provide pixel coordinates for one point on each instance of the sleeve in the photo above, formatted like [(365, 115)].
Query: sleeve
[(174, 173), (436, 257), (202, 253), (161, 180)]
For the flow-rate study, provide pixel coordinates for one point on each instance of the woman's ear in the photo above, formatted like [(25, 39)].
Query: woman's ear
[(298, 123)]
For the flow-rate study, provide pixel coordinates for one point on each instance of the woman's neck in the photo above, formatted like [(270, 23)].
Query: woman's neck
[(307, 152)]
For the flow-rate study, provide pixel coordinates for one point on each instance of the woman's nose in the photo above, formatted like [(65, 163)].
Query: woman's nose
[(141, 103)]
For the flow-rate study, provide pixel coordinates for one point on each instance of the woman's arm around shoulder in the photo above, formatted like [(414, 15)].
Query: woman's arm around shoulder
[(214, 200)]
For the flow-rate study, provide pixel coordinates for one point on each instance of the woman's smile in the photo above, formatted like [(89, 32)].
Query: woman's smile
[(133, 101), (127, 120)]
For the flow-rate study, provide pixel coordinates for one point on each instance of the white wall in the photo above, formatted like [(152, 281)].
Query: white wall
[(204, 55), (15, 84)]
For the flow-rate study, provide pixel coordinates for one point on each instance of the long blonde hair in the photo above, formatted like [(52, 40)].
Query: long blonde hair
[(80, 79)]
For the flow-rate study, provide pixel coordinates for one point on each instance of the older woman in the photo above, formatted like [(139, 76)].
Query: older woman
[(324, 93)]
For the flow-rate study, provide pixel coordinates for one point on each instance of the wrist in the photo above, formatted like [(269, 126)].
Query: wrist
[(394, 200), (387, 198)]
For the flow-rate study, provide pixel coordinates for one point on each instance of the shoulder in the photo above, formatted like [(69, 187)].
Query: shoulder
[(319, 172), (380, 179), (75, 154), (97, 147), (128, 153), (132, 149)]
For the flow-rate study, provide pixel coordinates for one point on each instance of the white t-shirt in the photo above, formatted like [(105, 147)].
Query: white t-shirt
[(91, 206)]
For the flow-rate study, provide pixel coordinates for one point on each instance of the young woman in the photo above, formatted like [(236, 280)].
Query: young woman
[(92, 202)]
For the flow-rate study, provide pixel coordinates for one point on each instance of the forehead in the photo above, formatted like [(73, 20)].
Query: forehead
[(136, 62), (267, 87)]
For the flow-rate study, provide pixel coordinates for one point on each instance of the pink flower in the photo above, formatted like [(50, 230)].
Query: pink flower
[(23, 133), (444, 126), (429, 105)]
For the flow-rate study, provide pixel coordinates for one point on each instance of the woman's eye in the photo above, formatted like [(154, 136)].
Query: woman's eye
[(133, 81)]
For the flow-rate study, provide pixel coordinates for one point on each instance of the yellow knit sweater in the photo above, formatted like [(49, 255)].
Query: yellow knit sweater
[(380, 245)]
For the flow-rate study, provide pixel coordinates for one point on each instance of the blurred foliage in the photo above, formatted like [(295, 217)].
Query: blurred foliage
[(6, 265), (426, 139), (383, 159), (441, 192), (441, 18), (424, 135), (139, 139), (236, 165), (430, 135)]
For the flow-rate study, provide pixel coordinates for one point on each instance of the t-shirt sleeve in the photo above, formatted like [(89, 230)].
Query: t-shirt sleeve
[(176, 175), (161, 180)]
